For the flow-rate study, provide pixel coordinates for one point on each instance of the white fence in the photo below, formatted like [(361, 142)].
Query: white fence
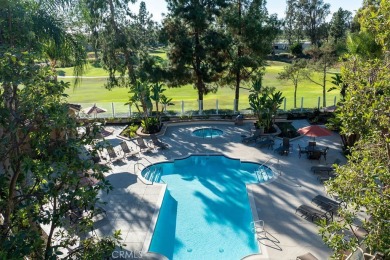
[(210, 107)]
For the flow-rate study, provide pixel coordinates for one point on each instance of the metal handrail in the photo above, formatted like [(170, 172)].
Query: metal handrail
[(263, 164), (138, 163)]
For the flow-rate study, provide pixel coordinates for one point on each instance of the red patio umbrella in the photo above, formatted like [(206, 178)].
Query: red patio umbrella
[(314, 131)]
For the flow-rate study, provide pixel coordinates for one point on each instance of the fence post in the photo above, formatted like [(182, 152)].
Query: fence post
[(301, 104), (200, 103), (334, 101), (182, 107), (319, 102), (129, 110), (234, 106), (216, 105), (113, 109), (285, 104)]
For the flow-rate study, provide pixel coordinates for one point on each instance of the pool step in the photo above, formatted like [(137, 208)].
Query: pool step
[(154, 175)]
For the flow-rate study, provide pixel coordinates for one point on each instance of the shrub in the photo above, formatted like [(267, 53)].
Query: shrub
[(296, 49), (130, 131)]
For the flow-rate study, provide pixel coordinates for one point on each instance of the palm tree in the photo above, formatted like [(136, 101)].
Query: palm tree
[(337, 80)]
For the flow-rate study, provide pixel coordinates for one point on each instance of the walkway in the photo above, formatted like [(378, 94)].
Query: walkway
[(132, 204)]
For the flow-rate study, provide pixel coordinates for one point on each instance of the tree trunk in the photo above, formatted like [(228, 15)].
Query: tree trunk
[(52, 227), (295, 95), (96, 54), (199, 82), (324, 86), (10, 161), (239, 54)]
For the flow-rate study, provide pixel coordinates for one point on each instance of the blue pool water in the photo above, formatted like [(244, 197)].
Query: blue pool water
[(207, 132), (205, 212)]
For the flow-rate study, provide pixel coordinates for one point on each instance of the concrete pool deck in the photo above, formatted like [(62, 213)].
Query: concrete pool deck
[(132, 205)]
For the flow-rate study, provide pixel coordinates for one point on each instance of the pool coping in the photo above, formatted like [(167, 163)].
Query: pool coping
[(153, 222), (152, 226)]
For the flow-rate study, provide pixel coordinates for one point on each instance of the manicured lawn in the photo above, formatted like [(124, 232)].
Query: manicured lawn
[(92, 91)]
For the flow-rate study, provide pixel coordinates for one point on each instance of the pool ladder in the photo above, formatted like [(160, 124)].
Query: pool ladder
[(261, 174)]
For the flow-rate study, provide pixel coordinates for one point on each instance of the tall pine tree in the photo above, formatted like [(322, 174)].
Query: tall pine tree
[(197, 45), (252, 32)]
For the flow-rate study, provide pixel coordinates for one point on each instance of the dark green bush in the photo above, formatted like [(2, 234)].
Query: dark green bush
[(296, 49)]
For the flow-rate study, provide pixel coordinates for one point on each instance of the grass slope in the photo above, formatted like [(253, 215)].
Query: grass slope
[(91, 90)]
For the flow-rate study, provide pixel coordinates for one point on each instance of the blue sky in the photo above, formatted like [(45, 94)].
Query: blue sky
[(156, 7)]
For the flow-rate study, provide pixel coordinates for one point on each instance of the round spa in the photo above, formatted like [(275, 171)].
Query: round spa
[(207, 132)]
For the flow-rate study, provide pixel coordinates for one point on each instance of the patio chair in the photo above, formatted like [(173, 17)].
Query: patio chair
[(284, 148), (314, 155), (252, 138), (127, 151), (112, 154), (269, 142), (313, 213), (307, 256), (157, 143), (142, 145), (326, 203), (324, 152), (239, 120), (301, 151), (312, 143), (319, 169)]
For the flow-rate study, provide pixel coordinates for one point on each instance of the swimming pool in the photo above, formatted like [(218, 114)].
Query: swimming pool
[(205, 212), (207, 132)]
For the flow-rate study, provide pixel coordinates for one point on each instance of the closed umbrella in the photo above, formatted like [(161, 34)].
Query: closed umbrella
[(314, 131), (94, 110)]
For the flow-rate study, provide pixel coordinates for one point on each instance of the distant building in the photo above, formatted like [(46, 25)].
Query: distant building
[(280, 47)]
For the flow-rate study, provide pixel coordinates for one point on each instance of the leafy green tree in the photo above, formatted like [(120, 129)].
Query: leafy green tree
[(294, 22), (252, 31), (322, 59), (295, 72), (118, 37), (264, 102), (363, 182), (257, 100), (296, 49), (147, 27), (363, 44), (196, 45), (140, 97), (289, 21), (374, 18), (337, 81), (42, 170), (275, 100), (314, 13), (340, 24)]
